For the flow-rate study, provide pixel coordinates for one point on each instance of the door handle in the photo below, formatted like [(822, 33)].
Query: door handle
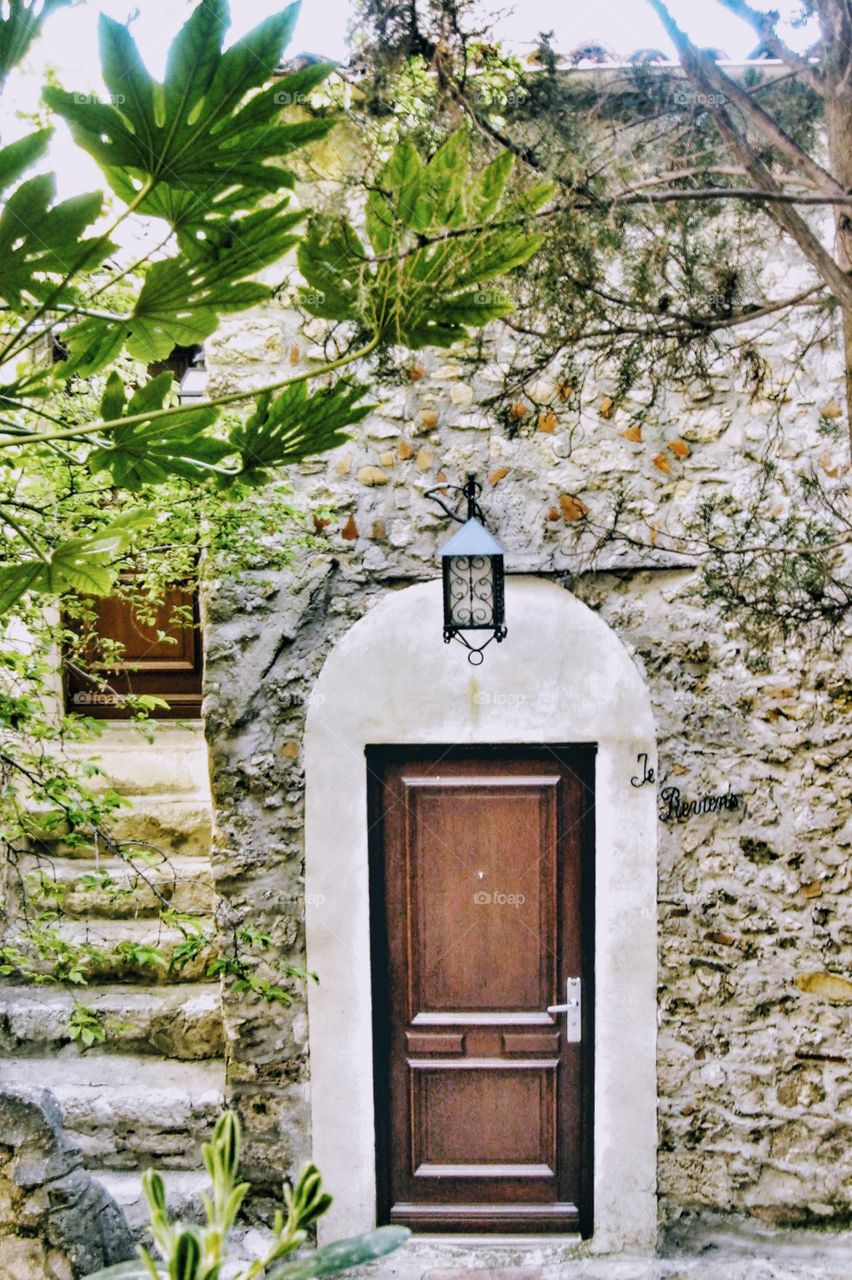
[(573, 1010)]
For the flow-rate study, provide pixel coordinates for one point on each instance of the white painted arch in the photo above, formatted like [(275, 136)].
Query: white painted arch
[(561, 676)]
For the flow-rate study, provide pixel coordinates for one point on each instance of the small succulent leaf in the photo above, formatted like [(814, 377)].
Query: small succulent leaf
[(186, 1257), (135, 1270), (341, 1255), (155, 1191), (226, 1138)]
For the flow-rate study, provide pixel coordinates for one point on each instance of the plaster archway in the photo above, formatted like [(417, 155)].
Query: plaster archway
[(561, 676)]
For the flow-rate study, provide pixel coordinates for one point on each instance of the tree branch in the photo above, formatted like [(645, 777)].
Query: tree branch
[(700, 70), (724, 193), (764, 25), (155, 415), (713, 77)]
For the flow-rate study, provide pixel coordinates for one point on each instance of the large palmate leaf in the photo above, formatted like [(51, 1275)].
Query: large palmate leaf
[(42, 243), (18, 156), (182, 298), (295, 425), (422, 285), (177, 306), (20, 23), (208, 141), (152, 452), (83, 564)]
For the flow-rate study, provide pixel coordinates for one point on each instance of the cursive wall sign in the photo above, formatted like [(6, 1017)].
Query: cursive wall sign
[(676, 809), (647, 775)]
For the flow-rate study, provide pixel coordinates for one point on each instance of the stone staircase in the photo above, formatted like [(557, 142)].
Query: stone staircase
[(150, 1093)]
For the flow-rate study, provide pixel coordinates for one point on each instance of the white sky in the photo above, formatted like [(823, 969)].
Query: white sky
[(69, 43)]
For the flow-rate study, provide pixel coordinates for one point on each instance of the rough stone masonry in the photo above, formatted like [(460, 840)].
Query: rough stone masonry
[(755, 980)]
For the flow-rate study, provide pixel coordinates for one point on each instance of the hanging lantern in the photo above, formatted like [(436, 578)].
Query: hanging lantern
[(473, 572)]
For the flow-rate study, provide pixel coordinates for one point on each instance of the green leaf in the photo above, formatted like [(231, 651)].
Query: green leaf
[(112, 402), (15, 579), (134, 1270), (186, 1258), (40, 244), (181, 299), (295, 425), (423, 287), (341, 1255), (332, 260), (208, 141), (180, 306), (19, 27), (81, 564), (491, 185), (380, 223), (151, 452), (18, 156), (91, 344)]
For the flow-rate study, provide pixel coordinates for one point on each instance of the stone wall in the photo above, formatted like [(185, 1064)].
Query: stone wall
[(56, 1222), (755, 1070)]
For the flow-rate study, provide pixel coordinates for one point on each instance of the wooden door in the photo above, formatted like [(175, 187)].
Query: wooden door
[(481, 904), (162, 657)]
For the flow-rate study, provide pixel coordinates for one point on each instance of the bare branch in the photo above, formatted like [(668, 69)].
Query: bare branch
[(764, 25), (714, 78), (724, 193), (702, 73)]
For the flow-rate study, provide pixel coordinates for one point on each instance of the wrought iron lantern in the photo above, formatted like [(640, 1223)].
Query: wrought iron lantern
[(473, 572)]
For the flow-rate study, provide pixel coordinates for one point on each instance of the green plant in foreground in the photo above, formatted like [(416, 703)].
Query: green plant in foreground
[(190, 1252)]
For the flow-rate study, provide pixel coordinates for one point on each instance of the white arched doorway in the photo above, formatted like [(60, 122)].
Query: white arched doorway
[(561, 677)]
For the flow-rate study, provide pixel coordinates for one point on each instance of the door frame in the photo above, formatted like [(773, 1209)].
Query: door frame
[(562, 676), (377, 757)]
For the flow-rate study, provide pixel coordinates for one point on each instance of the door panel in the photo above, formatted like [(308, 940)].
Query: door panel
[(167, 668), (481, 913)]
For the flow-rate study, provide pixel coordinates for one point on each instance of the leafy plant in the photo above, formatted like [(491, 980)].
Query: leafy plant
[(190, 1252), (438, 233), (86, 1025), (110, 485)]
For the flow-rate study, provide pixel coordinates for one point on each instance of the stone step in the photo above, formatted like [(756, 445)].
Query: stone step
[(127, 1112), (175, 762), (116, 958), (183, 1022), (175, 824), (184, 1189), (115, 888)]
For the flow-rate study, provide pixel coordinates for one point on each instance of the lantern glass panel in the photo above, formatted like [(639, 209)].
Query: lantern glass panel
[(471, 599)]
